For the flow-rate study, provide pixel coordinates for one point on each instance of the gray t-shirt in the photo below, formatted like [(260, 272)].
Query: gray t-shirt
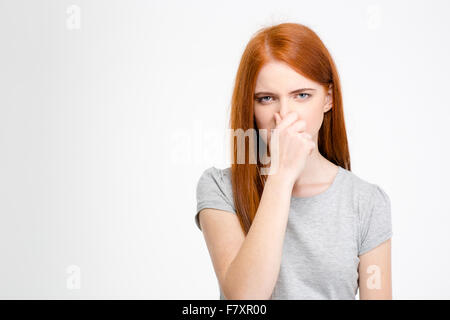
[(325, 233)]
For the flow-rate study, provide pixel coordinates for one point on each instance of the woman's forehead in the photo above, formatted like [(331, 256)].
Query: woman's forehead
[(278, 77)]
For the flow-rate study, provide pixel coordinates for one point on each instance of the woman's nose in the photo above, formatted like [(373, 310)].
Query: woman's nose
[(285, 108)]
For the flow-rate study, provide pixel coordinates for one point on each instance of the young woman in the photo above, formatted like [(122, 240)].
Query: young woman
[(311, 229)]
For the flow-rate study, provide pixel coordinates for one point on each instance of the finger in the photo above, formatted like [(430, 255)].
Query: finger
[(306, 135), (313, 146), (277, 118), (308, 138), (298, 126), (288, 120)]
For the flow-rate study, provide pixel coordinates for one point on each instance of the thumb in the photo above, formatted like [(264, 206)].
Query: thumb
[(277, 118)]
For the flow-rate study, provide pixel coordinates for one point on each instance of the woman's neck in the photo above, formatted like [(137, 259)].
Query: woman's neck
[(318, 170)]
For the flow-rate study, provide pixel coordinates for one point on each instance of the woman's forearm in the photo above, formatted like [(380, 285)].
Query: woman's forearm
[(254, 271)]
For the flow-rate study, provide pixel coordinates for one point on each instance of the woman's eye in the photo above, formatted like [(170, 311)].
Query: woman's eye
[(265, 99), (304, 97), (262, 99)]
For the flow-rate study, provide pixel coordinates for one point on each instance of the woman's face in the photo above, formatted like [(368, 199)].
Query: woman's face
[(279, 88)]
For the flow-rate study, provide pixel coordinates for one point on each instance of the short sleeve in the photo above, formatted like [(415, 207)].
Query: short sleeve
[(375, 220), (214, 190)]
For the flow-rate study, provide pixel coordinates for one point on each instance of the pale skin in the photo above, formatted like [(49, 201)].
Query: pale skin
[(247, 267)]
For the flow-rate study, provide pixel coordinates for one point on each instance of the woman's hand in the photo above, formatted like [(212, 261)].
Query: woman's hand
[(293, 147)]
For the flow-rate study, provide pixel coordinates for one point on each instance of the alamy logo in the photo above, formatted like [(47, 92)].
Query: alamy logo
[(73, 21), (374, 281), (241, 150), (73, 281)]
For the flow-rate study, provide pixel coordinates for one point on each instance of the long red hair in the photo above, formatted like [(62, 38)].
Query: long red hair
[(301, 48)]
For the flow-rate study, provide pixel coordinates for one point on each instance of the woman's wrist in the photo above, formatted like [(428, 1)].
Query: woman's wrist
[(282, 178)]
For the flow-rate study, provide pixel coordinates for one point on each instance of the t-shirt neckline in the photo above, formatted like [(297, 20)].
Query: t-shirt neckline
[(325, 193)]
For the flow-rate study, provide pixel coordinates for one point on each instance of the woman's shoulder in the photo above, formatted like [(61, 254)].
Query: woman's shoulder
[(366, 193), (359, 183), (373, 206), (216, 180), (216, 175), (214, 190)]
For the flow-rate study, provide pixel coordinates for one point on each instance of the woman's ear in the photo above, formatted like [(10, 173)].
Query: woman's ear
[(329, 99)]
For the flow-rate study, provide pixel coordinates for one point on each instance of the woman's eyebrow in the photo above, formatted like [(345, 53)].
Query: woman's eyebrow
[(292, 92)]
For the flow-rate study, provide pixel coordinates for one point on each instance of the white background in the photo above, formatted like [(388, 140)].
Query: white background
[(105, 130)]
